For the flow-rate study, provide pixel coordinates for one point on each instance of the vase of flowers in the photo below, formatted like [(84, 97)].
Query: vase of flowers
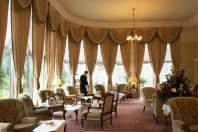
[(176, 85)]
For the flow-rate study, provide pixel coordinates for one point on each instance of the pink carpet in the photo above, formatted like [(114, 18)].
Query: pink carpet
[(130, 119)]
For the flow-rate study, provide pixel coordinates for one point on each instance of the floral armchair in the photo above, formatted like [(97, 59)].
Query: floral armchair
[(13, 119), (184, 114)]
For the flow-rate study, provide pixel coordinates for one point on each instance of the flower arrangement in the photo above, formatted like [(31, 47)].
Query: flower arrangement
[(176, 85)]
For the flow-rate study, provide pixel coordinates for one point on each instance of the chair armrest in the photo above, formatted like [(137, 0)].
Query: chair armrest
[(179, 123), (182, 125), (6, 127), (30, 120), (39, 107)]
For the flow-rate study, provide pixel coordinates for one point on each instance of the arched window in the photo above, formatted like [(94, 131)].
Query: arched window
[(147, 76), (99, 74), (119, 75)]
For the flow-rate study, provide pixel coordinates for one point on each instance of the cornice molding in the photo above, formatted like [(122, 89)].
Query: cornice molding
[(105, 24)]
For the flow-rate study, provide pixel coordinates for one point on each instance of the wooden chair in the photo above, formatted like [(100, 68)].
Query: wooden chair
[(100, 114)]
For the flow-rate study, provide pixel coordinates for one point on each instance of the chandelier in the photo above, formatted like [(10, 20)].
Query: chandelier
[(135, 37)]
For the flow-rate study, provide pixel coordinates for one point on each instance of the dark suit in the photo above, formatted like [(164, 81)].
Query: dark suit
[(83, 83)]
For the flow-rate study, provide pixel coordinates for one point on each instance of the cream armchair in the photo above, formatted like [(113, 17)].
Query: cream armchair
[(147, 93), (157, 108), (184, 114), (13, 119)]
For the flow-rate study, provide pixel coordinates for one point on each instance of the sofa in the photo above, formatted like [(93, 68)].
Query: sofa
[(13, 119)]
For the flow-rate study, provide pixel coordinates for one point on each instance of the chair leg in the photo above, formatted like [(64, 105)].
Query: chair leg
[(116, 113), (82, 122), (153, 116), (102, 124), (156, 120), (111, 120), (64, 113), (144, 108)]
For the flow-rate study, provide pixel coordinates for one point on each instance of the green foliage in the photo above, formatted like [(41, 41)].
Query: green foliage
[(142, 81), (3, 83)]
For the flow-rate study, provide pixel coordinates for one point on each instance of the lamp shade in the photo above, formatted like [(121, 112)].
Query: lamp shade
[(57, 81), (133, 79)]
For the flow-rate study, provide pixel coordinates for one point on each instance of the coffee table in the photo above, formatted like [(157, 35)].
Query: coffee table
[(51, 126), (86, 99), (77, 108)]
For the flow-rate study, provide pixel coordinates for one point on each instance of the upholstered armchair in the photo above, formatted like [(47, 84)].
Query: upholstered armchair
[(100, 90), (73, 93), (122, 89), (100, 114), (157, 108), (115, 101), (147, 93), (59, 104), (42, 113), (184, 114), (13, 118)]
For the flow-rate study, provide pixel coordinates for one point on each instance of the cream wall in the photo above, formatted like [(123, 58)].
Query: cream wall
[(189, 49)]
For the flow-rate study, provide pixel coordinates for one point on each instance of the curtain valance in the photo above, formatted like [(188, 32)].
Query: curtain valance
[(77, 31), (53, 18), (146, 33), (97, 35), (119, 35), (23, 3), (40, 9), (168, 34), (64, 27)]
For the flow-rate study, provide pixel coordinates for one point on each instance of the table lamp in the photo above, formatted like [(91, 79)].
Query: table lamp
[(57, 84), (133, 80)]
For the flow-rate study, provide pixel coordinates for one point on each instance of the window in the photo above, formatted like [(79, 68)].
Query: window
[(65, 77), (27, 77), (166, 69), (7, 73), (99, 74), (147, 70), (81, 64), (147, 73), (119, 75)]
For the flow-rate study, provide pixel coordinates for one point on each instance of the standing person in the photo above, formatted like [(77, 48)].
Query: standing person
[(84, 83)]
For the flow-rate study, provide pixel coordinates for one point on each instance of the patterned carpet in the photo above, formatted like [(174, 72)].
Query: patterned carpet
[(130, 119)]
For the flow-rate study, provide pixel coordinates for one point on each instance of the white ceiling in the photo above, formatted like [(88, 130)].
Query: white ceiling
[(118, 13)]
